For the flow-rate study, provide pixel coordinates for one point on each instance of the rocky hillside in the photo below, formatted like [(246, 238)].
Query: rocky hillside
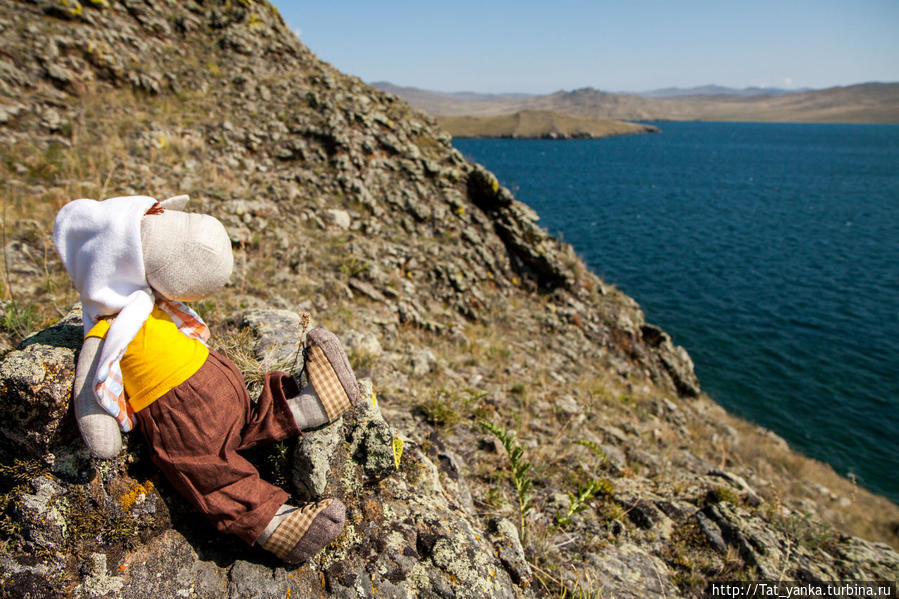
[(455, 306)]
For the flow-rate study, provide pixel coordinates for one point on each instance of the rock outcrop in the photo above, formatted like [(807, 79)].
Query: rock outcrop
[(343, 202), (407, 534)]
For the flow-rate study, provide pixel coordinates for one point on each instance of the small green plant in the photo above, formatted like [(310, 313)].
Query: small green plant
[(503, 353), (450, 406), (362, 361), (578, 502), (254, 22), (18, 320), (353, 267), (808, 532), (520, 469), (277, 463), (439, 412), (722, 494), (595, 449)]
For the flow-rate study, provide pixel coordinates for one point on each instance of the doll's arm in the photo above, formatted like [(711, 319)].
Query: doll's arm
[(99, 429)]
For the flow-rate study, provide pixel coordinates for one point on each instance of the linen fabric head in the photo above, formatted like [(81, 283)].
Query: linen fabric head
[(100, 246)]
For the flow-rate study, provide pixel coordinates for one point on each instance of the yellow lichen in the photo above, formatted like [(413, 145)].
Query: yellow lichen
[(136, 495), (397, 451)]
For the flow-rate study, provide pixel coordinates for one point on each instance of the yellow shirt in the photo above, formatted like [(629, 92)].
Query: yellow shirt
[(158, 359)]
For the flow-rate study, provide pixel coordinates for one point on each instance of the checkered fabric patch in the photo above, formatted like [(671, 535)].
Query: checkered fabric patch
[(326, 383), (291, 531)]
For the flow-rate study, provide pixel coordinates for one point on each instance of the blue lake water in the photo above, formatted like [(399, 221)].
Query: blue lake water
[(769, 251)]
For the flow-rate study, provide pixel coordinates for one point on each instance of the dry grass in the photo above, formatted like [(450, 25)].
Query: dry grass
[(117, 143)]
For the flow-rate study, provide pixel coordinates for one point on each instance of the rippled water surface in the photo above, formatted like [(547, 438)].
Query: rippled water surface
[(769, 251)]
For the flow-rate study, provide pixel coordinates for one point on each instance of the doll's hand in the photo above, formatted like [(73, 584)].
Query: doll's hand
[(99, 429)]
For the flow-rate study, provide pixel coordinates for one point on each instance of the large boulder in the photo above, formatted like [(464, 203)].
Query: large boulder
[(117, 529)]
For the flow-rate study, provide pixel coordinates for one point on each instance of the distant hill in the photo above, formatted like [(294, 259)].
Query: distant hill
[(446, 103), (386, 86), (862, 103), (718, 90), (537, 123)]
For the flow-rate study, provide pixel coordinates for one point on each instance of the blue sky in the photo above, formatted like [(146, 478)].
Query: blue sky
[(630, 45)]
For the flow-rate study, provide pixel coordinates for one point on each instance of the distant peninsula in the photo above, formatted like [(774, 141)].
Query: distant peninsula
[(541, 124)]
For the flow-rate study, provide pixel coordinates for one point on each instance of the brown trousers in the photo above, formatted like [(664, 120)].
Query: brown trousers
[(195, 431)]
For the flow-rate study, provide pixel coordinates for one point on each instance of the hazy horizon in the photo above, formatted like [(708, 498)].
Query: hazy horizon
[(530, 47), (624, 91)]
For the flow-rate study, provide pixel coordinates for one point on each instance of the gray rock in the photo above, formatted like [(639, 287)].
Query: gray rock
[(749, 495), (22, 259), (568, 405), (423, 361), (642, 511), (366, 289), (627, 571), (865, 560), (614, 457), (43, 513), (98, 583), (371, 442), (276, 333), (36, 385), (748, 534), (711, 531), (340, 218), (452, 469), (510, 551), (311, 465), (674, 359), (256, 581), (363, 344), (168, 566)]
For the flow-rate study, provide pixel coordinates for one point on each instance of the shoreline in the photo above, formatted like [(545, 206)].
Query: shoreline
[(538, 124)]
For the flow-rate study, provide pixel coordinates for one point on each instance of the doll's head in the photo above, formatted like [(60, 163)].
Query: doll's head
[(186, 256), (123, 245)]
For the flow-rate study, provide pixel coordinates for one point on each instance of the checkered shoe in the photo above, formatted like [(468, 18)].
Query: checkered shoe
[(306, 531), (328, 370)]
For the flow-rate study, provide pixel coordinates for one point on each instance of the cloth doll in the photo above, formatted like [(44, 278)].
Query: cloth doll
[(144, 364)]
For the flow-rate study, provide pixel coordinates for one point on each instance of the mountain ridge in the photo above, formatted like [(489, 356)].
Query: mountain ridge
[(872, 102), (717, 90)]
